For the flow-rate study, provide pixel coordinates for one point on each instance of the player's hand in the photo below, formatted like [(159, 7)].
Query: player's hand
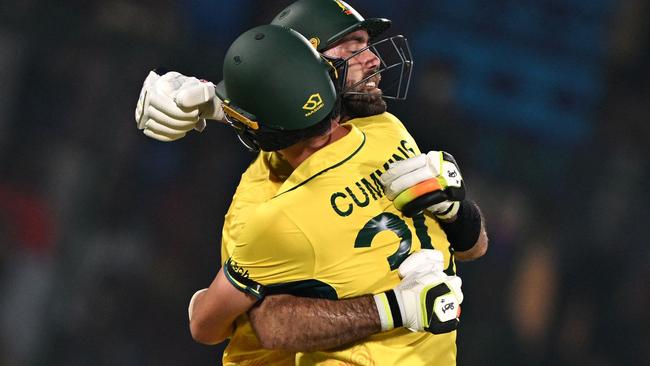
[(429, 181), (426, 300), (172, 104)]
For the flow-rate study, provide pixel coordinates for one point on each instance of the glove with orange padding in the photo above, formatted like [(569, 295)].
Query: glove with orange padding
[(429, 182)]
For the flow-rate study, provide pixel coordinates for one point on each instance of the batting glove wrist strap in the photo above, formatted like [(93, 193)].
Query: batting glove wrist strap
[(465, 230), (389, 309)]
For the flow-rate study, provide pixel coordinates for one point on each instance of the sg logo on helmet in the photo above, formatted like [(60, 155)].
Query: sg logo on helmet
[(314, 103)]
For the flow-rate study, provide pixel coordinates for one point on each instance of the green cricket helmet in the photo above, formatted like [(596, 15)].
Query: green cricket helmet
[(267, 94), (325, 22)]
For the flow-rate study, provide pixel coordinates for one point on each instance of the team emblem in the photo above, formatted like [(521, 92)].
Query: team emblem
[(314, 103)]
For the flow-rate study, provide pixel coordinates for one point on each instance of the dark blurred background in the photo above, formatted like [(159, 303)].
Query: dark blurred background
[(105, 234)]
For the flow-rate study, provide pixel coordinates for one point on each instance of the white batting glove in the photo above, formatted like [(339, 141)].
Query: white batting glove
[(422, 262), (426, 299), (429, 181), (171, 105)]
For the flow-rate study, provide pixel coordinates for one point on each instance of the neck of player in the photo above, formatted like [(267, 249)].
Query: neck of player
[(299, 152)]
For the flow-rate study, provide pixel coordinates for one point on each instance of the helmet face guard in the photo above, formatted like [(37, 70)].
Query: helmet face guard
[(325, 22), (395, 68)]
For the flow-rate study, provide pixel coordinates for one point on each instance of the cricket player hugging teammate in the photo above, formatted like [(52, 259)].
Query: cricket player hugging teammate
[(340, 243)]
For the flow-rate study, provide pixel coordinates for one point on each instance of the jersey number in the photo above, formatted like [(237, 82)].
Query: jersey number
[(392, 222)]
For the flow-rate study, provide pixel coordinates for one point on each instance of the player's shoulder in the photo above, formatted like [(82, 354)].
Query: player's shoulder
[(383, 121), (267, 217), (382, 131), (259, 182), (267, 166), (270, 235), (391, 118), (257, 172)]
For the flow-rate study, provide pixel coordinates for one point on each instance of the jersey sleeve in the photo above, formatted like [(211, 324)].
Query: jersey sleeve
[(271, 250)]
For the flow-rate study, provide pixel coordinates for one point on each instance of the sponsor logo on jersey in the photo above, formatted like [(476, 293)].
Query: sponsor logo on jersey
[(238, 269)]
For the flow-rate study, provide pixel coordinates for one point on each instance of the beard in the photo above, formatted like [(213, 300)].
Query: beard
[(363, 105)]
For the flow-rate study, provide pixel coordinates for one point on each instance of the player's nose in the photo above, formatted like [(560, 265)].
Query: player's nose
[(370, 59)]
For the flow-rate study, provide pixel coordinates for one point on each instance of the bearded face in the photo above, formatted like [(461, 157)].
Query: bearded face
[(365, 99)]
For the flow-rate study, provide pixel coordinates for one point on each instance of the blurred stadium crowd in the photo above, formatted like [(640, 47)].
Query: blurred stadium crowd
[(105, 234)]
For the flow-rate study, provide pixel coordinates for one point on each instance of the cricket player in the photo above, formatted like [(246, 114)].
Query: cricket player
[(285, 248), (263, 179)]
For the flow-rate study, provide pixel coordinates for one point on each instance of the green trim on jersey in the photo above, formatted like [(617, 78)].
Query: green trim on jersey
[(304, 288), (363, 142), (235, 275)]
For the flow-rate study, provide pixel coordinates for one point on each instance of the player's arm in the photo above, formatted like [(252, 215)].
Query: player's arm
[(432, 183), (172, 104), (305, 324), (213, 311), (289, 322), (462, 231)]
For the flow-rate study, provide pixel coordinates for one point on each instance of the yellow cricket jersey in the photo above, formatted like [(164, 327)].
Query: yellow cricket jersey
[(258, 184), (328, 231)]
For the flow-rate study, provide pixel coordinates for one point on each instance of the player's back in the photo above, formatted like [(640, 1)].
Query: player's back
[(330, 232)]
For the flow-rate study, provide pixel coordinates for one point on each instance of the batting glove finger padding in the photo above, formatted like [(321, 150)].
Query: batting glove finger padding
[(184, 123), (429, 181), (172, 104), (200, 95), (163, 129), (163, 138), (419, 190), (422, 262), (143, 100), (393, 186), (194, 93), (165, 104)]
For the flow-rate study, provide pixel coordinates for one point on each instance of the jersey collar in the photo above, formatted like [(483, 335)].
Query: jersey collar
[(329, 157)]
